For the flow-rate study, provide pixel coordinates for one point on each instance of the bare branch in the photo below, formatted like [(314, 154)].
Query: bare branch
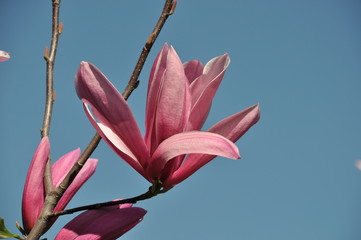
[(49, 56), (133, 83), (143, 196)]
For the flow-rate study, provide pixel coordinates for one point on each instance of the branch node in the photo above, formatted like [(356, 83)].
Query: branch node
[(60, 28), (18, 226), (173, 7), (149, 41), (136, 84), (46, 54), (80, 163), (54, 96)]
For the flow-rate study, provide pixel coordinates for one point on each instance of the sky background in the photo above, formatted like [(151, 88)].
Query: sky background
[(301, 60)]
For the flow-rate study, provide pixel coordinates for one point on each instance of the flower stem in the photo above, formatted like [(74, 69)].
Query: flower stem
[(144, 196), (153, 191)]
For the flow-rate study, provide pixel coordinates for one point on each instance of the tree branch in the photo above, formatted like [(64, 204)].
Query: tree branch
[(50, 93), (50, 59), (133, 83), (153, 191), (143, 196)]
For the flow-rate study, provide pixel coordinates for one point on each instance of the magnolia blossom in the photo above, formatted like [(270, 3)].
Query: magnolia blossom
[(4, 56), (34, 195), (102, 224), (178, 102)]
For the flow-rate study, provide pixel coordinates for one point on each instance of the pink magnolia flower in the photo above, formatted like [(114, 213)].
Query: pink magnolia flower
[(34, 195), (4, 56), (178, 101), (102, 224)]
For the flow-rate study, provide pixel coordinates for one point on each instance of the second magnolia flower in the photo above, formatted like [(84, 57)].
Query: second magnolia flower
[(34, 190), (178, 102)]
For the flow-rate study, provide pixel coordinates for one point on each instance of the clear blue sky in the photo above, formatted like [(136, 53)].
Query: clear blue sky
[(301, 60)]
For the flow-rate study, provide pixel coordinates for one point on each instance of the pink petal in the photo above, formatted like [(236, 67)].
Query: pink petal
[(172, 105), (193, 69), (110, 108), (191, 164), (63, 165), (190, 142), (203, 90), (232, 128), (33, 195), (236, 125), (61, 168), (4, 56), (85, 173), (156, 75), (102, 224), (119, 147)]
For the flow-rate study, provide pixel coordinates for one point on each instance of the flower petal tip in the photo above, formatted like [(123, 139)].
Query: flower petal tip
[(4, 56), (257, 108)]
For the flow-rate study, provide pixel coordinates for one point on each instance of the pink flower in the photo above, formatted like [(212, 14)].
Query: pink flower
[(4, 56), (34, 195), (102, 224), (178, 101)]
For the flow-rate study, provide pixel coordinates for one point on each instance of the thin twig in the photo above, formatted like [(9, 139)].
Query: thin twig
[(133, 83), (143, 196), (59, 191), (48, 180), (154, 190), (50, 93), (54, 196), (49, 57)]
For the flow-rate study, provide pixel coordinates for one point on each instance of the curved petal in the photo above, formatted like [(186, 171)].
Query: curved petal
[(102, 224), (156, 73), (155, 77), (232, 128), (118, 146), (63, 165), (190, 142), (33, 195), (193, 69), (173, 101), (59, 171), (85, 173), (238, 124), (191, 164), (109, 107), (203, 90)]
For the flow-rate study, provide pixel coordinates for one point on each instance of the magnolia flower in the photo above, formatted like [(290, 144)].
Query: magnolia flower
[(178, 101), (4, 56), (102, 224), (33, 195)]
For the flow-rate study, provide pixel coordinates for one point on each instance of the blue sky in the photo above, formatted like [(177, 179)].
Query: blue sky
[(301, 60)]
